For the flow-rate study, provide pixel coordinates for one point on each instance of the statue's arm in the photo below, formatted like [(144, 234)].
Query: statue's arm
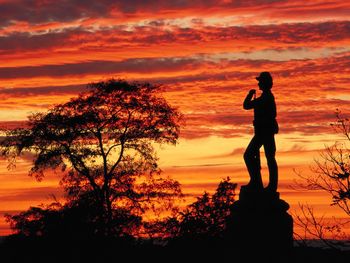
[(248, 102)]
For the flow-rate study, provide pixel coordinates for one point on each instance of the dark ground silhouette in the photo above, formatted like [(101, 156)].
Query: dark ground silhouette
[(109, 250)]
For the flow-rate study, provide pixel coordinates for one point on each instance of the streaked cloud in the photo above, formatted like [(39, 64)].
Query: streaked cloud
[(235, 38), (38, 12)]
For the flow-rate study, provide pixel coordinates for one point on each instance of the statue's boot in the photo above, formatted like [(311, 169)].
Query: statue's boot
[(255, 182)]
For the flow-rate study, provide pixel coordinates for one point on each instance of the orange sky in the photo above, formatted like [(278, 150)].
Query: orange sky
[(206, 54)]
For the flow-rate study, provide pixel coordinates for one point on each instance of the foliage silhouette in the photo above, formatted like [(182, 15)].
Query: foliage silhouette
[(77, 220), (201, 222), (207, 216), (102, 142)]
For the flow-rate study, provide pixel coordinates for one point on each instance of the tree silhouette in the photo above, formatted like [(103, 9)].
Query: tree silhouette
[(102, 142), (205, 219), (331, 174), (332, 171), (77, 219), (207, 216)]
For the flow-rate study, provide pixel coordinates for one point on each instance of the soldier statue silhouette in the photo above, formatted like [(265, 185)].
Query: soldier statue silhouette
[(265, 128)]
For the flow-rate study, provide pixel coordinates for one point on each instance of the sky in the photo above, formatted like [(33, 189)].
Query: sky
[(206, 54)]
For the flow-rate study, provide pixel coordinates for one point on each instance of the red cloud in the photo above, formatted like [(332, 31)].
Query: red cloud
[(36, 12), (197, 40)]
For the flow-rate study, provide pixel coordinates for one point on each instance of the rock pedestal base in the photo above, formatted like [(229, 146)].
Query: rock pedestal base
[(259, 220)]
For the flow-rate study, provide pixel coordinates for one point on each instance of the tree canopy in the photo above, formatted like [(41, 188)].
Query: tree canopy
[(103, 143)]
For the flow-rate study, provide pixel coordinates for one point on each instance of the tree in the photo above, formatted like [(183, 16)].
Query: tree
[(328, 231), (102, 142), (206, 218), (77, 219), (331, 174)]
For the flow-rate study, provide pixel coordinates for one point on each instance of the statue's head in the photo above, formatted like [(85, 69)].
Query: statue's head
[(265, 80)]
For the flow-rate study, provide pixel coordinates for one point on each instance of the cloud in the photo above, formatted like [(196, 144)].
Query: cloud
[(210, 93), (12, 124), (36, 12), (37, 91), (140, 65), (213, 74), (32, 193), (195, 65), (202, 165), (25, 41), (239, 38)]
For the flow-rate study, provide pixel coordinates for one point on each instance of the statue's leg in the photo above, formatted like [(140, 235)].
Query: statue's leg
[(270, 152), (252, 161)]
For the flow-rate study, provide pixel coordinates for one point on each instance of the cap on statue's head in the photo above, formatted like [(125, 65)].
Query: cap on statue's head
[(264, 76)]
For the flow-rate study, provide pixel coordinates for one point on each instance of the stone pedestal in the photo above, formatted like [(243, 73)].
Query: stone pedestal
[(259, 221)]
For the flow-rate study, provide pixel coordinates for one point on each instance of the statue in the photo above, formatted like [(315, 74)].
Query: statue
[(265, 128), (260, 218)]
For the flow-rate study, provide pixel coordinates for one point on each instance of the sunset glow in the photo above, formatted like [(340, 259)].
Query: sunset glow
[(206, 55)]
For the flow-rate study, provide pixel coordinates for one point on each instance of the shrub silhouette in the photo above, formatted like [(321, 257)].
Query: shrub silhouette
[(201, 222), (206, 218)]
